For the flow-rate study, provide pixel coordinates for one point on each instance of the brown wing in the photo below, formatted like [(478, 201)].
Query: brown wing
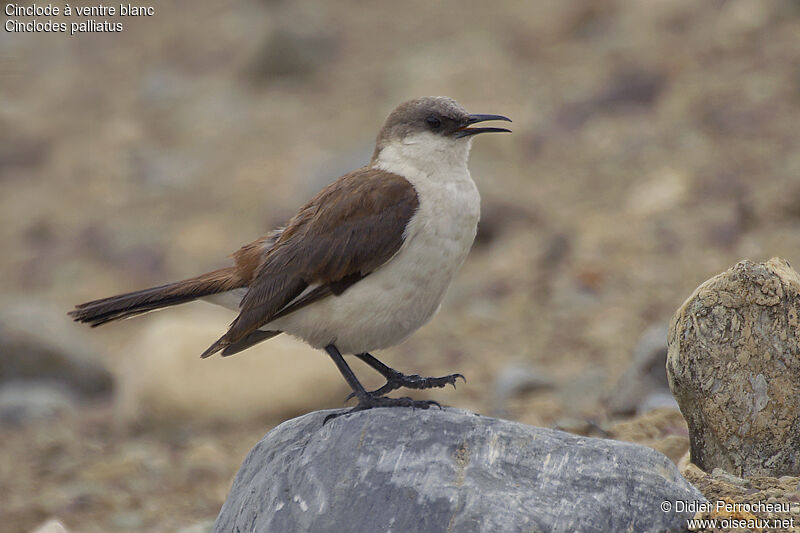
[(349, 229)]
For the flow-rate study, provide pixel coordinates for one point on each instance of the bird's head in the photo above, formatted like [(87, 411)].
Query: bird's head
[(431, 130)]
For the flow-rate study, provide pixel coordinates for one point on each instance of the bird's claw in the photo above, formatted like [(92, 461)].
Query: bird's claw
[(370, 402), (413, 381)]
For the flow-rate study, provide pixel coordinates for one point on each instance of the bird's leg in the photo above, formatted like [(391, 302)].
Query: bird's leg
[(395, 379), (367, 400)]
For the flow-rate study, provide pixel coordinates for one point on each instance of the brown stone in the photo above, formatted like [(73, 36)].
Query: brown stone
[(734, 367)]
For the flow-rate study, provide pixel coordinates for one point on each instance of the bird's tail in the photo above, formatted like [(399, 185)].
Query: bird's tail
[(98, 312)]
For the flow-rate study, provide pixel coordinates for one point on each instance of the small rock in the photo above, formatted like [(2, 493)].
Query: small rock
[(30, 401), (448, 470), (37, 341), (719, 473), (51, 526), (657, 400), (645, 375), (201, 527), (734, 367), (515, 379), (576, 426), (129, 520)]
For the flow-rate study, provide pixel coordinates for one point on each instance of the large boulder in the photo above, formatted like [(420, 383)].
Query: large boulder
[(400, 469), (734, 367)]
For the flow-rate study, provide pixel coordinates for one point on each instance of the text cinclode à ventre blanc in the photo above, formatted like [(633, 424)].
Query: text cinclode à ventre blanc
[(84, 26)]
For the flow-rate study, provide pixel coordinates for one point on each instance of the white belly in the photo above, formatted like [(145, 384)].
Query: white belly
[(390, 304)]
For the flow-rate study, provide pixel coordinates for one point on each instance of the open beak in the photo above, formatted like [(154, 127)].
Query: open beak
[(466, 131)]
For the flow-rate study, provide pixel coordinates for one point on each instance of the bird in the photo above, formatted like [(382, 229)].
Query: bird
[(361, 266)]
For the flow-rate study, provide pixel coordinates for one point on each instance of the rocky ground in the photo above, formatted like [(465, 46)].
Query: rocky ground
[(655, 145)]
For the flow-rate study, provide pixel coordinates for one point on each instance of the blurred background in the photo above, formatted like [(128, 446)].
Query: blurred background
[(656, 143)]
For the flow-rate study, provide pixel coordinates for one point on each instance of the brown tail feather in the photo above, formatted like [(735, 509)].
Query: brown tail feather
[(98, 312), (251, 340)]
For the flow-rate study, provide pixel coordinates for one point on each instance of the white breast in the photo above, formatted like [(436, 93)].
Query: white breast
[(394, 301)]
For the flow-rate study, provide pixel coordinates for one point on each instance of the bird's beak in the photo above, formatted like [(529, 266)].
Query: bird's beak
[(465, 130)]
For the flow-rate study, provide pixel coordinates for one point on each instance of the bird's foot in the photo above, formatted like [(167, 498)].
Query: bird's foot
[(370, 400), (396, 380)]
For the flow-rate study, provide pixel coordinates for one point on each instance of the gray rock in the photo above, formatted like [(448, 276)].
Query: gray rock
[(663, 399), (200, 527), (645, 375), (719, 473), (580, 426), (516, 379), (447, 470), (30, 401), (734, 367), (39, 342), (51, 526)]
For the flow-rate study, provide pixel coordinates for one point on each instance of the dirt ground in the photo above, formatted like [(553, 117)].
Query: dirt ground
[(655, 144)]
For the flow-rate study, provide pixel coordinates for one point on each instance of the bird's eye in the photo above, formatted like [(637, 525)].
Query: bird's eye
[(433, 122)]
